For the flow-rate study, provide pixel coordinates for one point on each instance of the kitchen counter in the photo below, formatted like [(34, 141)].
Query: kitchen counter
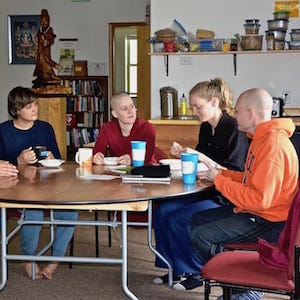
[(164, 121), (294, 113), (185, 132)]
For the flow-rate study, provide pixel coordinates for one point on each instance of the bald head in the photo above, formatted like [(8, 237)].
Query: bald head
[(117, 99), (259, 100), (253, 107)]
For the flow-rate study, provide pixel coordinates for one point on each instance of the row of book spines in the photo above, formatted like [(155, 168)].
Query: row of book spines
[(85, 103), (86, 87), (85, 119), (78, 137)]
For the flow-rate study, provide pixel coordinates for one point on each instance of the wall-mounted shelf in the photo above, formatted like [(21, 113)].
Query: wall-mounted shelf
[(233, 53)]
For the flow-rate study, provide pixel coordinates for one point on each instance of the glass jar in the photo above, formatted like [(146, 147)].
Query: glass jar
[(270, 40)]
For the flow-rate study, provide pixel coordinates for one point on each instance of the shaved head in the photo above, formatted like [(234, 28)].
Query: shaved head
[(259, 100), (253, 107), (117, 98)]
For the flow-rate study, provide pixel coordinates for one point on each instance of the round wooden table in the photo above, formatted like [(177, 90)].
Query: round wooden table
[(63, 188)]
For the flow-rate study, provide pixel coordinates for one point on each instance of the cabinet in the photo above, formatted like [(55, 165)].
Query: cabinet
[(86, 110), (52, 109), (184, 132)]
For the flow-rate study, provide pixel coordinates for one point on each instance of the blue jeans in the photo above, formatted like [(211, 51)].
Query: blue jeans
[(172, 233), (63, 234), (212, 229)]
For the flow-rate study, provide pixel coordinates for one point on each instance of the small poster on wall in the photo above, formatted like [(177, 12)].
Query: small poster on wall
[(22, 30), (66, 62)]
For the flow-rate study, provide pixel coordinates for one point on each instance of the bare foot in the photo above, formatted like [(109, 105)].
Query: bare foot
[(48, 271), (28, 269)]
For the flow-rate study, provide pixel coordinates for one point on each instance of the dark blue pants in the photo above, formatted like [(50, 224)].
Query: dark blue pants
[(173, 232), (213, 228)]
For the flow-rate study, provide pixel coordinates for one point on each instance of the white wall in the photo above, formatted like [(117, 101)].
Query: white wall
[(276, 72), (86, 21)]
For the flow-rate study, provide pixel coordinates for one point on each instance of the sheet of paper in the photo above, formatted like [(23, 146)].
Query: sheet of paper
[(212, 162), (202, 167), (99, 177), (119, 169), (141, 179)]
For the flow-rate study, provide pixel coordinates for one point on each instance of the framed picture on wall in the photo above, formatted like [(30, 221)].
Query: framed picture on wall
[(22, 30)]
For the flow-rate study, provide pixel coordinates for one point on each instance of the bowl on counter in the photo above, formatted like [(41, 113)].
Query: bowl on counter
[(251, 42), (284, 14), (251, 28), (278, 35), (294, 45), (252, 21), (279, 45), (295, 36), (278, 24)]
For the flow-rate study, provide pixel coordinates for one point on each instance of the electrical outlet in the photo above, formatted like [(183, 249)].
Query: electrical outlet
[(186, 60), (286, 96)]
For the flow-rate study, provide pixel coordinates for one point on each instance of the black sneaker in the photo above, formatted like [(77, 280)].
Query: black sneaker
[(191, 282), (164, 279)]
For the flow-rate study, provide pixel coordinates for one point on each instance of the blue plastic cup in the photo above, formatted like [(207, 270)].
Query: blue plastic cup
[(138, 153), (189, 165)]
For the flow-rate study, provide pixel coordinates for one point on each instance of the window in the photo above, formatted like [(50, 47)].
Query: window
[(131, 65)]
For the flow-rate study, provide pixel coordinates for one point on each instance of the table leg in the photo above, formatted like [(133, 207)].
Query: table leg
[(3, 248), (170, 278), (124, 257)]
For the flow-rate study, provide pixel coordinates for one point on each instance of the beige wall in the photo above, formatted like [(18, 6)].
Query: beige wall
[(276, 73), (86, 21)]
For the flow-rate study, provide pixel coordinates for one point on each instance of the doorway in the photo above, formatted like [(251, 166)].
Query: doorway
[(128, 74)]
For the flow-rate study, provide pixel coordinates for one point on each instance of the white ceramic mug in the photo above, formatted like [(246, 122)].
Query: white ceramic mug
[(82, 172), (84, 157)]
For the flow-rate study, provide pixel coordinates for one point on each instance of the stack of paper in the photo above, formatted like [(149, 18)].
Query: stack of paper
[(141, 179)]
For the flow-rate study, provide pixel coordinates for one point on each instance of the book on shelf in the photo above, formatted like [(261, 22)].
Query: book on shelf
[(78, 137), (85, 103), (71, 120), (85, 119), (68, 138), (86, 87)]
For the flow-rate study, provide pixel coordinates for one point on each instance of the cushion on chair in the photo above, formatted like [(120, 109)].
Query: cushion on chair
[(241, 246), (244, 268), (282, 256)]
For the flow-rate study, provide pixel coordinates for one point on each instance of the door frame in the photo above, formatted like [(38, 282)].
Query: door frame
[(144, 74)]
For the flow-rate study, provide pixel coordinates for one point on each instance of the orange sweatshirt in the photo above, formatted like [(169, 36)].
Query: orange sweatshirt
[(270, 179)]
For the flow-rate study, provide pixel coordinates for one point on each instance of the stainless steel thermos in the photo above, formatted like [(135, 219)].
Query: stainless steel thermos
[(168, 102)]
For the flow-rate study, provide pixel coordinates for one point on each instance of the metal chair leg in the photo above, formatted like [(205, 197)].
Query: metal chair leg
[(109, 229), (96, 235), (71, 251)]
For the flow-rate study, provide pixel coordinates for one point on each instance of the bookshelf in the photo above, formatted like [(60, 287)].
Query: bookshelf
[(86, 110)]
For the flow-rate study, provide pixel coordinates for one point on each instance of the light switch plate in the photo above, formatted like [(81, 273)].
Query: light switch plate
[(97, 69)]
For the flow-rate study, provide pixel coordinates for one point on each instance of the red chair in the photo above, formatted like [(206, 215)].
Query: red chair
[(254, 270)]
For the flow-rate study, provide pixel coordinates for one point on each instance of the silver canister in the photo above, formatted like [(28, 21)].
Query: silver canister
[(168, 102)]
